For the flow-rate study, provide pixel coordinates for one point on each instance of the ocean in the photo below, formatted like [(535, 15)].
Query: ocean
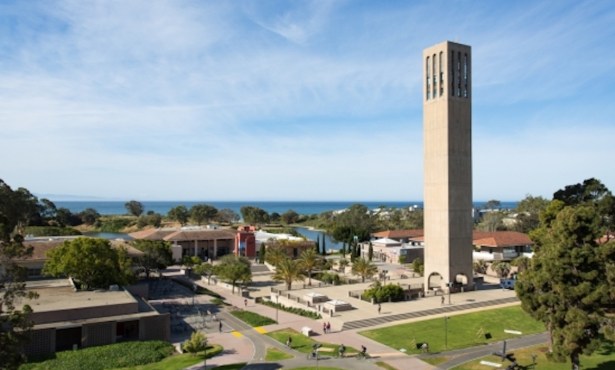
[(301, 207)]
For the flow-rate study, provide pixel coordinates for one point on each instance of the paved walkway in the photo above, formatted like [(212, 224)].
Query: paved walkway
[(243, 343)]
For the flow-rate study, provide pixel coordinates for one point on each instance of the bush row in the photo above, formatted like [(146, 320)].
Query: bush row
[(295, 310), (252, 318), (112, 356)]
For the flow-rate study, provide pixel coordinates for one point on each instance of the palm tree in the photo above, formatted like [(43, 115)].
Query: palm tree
[(310, 261), (275, 253), (480, 266), (288, 271), (363, 268)]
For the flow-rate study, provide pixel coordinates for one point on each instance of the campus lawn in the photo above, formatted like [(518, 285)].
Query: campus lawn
[(274, 354), (304, 344), (464, 330), (179, 362), (603, 359), (252, 318)]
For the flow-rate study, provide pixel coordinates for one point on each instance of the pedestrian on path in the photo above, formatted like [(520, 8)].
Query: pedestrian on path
[(289, 342), (328, 327), (324, 328), (379, 308), (220, 326), (245, 303), (442, 301)]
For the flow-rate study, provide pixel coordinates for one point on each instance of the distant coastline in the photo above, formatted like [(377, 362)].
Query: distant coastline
[(301, 207)]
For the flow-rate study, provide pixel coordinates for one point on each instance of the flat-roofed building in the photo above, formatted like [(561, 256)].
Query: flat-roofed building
[(65, 318)]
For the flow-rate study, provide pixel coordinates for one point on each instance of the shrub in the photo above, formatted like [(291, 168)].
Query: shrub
[(114, 224), (384, 293), (295, 310), (330, 278), (112, 356)]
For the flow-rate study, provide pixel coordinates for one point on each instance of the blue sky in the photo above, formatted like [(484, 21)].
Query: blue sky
[(296, 100)]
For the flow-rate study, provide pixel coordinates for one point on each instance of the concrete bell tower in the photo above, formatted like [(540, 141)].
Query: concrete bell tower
[(447, 129)]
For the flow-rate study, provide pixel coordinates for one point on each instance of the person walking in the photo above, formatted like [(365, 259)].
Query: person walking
[(328, 327), (220, 326), (324, 328), (379, 308), (442, 301), (245, 303), (289, 342)]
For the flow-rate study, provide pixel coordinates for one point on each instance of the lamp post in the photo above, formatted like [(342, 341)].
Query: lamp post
[(450, 286), (445, 332), (276, 307)]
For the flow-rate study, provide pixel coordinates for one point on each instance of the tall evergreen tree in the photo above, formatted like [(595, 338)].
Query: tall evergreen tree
[(324, 245), (565, 285)]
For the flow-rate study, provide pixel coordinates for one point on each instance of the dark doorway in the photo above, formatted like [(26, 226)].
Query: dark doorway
[(127, 330), (67, 338)]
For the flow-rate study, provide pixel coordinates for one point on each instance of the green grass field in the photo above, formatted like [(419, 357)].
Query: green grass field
[(274, 354), (304, 344), (252, 318), (603, 359), (464, 330)]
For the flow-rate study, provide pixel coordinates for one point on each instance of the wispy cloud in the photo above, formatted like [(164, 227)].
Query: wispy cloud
[(318, 100)]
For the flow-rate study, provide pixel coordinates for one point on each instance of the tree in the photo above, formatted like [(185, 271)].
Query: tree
[(528, 213), (480, 266), (200, 213), (363, 268), (262, 253), (309, 261), (157, 254), (522, 263), (501, 268), (254, 215), (290, 217), (196, 343), (227, 215), (275, 253), (64, 217), (324, 246), (15, 324), (274, 217), (89, 216), (206, 269), (418, 266), (179, 214), (93, 262), (288, 271), (370, 251), (491, 221), (234, 269), (565, 285), (134, 208), (356, 221)]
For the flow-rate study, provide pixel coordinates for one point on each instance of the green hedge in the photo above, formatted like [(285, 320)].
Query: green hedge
[(115, 225), (295, 310), (252, 318), (106, 357)]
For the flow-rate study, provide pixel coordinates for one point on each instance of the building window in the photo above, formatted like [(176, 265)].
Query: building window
[(465, 75), (427, 76), (433, 73), (453, 74), (441, 75), (458, 74)]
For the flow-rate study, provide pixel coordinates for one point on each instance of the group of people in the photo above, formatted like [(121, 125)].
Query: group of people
[(326, 327)]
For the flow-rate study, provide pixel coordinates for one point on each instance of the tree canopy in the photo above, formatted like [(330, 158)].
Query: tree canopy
[(288, 271), (234, 269), (93, 262), (134, 208), (569, 280), (179, 214), (364, 268), (16, 207), (202, 213), (157, 254), (254, 215), (356, 221)]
